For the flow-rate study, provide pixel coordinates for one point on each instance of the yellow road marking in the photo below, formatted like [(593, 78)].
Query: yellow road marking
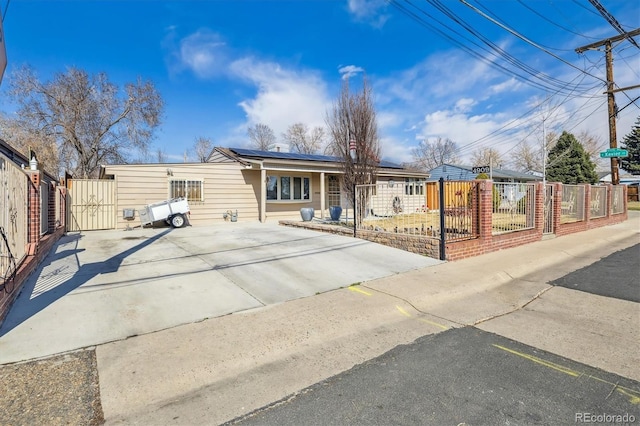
[(541, 361), (444, 327), (352, 288), (407, 314), (403, 312), (631, 394)]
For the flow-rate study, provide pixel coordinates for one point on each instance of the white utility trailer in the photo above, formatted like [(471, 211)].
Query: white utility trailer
[(173, 211)]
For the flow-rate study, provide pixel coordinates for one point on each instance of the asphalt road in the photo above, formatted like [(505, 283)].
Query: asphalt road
[(466, 376), (617, 275), (462, 376)]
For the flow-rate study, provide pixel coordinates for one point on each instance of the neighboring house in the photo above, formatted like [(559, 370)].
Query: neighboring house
[(510, 194), (258, 185), (455, 172), (625, 178)]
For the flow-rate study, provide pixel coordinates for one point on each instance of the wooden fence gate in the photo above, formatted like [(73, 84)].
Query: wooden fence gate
[(91, 205)]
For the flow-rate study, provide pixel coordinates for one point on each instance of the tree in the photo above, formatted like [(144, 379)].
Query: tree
[(261, 136), (569, 163), (593, 145), (429, 155), (525, 158), (352, 121), (300, 140), (161, 156), (23, 139), (487, 156), (202, 149), (631, 143), (90, 120)]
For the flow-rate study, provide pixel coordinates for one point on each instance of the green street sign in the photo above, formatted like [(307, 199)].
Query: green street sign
[(614, 152)]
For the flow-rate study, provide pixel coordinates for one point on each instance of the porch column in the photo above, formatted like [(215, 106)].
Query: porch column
[(263, 195), (321, 195)]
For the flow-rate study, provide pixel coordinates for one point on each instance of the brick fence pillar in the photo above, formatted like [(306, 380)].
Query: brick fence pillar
[(539, 207)]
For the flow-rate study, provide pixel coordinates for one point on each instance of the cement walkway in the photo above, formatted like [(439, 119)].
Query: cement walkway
[(215, 370)]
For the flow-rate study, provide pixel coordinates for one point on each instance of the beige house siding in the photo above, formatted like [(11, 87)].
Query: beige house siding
[(226, 186), (231, 184)]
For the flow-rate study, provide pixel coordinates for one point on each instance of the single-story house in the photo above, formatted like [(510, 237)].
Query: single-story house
[(624, 178), (456, 172), (247, 184)]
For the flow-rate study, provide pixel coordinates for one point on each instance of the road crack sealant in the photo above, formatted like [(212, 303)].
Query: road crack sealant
[(534, 298)]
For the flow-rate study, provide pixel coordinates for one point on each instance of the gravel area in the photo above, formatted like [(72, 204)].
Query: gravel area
[(61, 390)]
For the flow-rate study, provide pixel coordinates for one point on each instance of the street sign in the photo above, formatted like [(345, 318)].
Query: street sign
[(481, 169), (614, 152)]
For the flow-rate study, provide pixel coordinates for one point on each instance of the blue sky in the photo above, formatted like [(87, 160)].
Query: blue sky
[(222, 66)]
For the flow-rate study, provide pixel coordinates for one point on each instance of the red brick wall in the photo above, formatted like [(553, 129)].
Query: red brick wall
[(487, 242)]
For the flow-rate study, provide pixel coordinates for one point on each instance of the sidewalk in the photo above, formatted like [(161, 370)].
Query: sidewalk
[(213, 371)]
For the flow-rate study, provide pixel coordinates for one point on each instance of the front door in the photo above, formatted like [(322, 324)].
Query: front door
[(333, 190)]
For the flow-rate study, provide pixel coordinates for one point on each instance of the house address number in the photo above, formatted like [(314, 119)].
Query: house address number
[(482, 169)]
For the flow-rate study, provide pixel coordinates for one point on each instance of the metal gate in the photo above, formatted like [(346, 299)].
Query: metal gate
[(92, 205), (14, 195), (548, 209)]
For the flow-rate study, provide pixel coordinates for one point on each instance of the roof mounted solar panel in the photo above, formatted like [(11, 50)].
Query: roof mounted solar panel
[(243, 152)]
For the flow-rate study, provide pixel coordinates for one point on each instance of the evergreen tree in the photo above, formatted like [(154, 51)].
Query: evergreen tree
[(569, 163), (631, 143)]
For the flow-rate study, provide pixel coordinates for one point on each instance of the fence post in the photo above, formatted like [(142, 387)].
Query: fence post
[(443, 229)]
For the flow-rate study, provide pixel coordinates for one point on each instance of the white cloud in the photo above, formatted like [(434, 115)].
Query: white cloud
[(284, 96), (369, 11), (204, 53), (464, 105), (349, 71)]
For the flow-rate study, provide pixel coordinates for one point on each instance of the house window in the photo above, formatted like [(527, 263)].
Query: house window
[(272, 187), (413, 186), (192, 190), (288, 188)]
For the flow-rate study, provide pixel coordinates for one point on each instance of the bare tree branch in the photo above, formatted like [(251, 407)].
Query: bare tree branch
[(261, 136), (429, 155), (301, 140), (353, 118), (202, 148), (487, 156), (87, 117)]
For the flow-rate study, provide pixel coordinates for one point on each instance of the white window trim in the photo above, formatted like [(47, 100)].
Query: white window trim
[(415, 186), (279, 177)]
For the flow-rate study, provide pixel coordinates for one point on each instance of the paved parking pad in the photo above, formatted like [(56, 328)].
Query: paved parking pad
[(461, 376), (102, 286)]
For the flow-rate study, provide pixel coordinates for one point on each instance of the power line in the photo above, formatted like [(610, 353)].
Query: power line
[(526, 40), (613, 21), (542, 80)]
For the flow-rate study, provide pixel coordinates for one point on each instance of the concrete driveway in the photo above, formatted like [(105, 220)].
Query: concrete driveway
[(102, 286)]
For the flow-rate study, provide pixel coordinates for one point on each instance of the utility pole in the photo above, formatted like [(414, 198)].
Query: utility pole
[(611, 101)]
